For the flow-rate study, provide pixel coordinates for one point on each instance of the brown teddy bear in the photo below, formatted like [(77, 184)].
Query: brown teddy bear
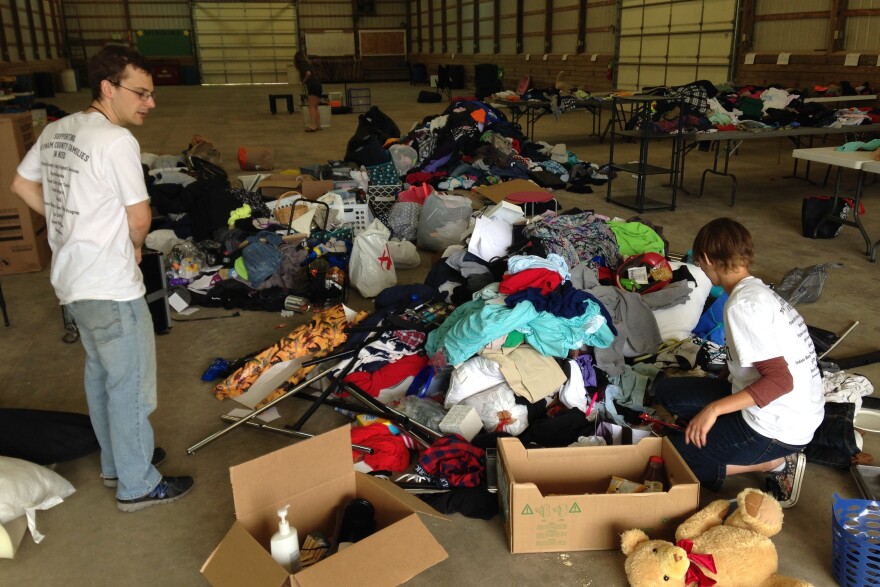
[(713, 548)]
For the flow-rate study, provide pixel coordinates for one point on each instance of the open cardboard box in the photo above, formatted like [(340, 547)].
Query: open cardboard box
[(275, 185), (553, 499), (317, 479)]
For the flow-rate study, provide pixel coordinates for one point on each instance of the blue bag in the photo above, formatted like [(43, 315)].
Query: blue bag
[(711, 323)]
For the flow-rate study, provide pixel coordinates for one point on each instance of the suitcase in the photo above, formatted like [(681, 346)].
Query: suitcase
[(456, 76), (486, 80), (153, 267), (427, 97)]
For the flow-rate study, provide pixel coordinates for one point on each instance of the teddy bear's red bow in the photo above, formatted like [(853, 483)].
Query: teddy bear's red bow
[(694, 572)]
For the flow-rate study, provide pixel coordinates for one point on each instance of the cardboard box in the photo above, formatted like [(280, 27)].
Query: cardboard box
[(554, 499), (275, 186), (515, 187), (315, 477), (462, 420), (24, 246)]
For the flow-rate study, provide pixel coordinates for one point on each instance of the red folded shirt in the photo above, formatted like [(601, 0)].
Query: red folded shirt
[(545, 279)]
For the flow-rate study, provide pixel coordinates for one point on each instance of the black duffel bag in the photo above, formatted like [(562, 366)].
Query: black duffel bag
[(814, 209)]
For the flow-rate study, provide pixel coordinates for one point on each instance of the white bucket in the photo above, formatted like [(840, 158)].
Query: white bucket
[(323, 110), (68, 81)]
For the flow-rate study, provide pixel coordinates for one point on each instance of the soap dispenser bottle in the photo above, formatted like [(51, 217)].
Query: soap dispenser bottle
[(285, 543)]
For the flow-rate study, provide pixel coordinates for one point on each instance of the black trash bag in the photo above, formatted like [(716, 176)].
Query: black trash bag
[(45, 437), (378, 124)]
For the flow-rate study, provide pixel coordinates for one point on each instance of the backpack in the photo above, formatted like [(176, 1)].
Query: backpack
[(428, 97), (813, 209)]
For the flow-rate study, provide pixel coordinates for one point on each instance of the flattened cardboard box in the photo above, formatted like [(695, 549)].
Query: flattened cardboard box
[(315, 477), (554, 499), (24, 246), (500, 191)]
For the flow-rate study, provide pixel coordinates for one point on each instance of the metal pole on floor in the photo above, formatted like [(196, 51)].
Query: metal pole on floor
[(254, 414), (837, 342), (286, 432)]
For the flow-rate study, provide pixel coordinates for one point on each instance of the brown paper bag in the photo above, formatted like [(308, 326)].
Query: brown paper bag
[(255, 158)]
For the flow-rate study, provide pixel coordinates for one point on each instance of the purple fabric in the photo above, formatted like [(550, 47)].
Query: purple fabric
[(437, 163), (585, 362)]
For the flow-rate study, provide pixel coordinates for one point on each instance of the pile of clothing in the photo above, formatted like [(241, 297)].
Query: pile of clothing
[(470, 144), (707, 107)]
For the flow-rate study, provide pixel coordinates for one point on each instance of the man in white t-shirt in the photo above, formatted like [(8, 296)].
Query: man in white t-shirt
[(761, 413), (84, 175)]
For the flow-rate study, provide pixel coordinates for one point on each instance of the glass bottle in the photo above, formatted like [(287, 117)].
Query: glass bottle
[(654, 476), (358, 522)]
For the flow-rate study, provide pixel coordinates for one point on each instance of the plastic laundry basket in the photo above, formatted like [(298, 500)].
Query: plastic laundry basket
[(855, 527)]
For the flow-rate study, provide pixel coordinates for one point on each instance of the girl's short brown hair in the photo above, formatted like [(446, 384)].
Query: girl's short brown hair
[(726, 243)]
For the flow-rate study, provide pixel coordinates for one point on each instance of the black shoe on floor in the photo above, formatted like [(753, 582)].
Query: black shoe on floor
[(158, 458), (169, 490)]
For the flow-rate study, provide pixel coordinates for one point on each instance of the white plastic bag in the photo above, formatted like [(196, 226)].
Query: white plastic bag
[(443, 220), (371, 265), (404, 157), (335, 209), (499, 411), (404, 254)]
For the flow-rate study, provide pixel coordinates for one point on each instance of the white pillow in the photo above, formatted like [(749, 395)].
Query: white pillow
[(678, 322), (25, 488)]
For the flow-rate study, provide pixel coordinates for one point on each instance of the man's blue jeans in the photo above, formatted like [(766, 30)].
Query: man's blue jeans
[(120, 384), (731, 441)]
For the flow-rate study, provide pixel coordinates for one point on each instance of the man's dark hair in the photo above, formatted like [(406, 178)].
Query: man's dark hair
[(110, 63)]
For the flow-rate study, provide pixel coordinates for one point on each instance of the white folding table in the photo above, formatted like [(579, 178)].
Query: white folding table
[(856, 160)]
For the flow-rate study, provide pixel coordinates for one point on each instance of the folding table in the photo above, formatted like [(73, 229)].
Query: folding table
[(844, 160)]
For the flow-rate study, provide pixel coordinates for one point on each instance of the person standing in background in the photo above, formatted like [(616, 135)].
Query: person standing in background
[(313, 89), (84, 175)]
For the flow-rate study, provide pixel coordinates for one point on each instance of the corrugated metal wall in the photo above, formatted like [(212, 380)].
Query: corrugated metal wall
[(532, 26), (31, 36), (245, 42), (159, 14), (668, 43), (778, 27), (428, 26), (600, 25), (31, 31), (487, 28), (863, 32)]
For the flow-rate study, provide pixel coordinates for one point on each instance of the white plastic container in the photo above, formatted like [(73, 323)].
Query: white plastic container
[(285, 544), (68, 81), (323, 110)]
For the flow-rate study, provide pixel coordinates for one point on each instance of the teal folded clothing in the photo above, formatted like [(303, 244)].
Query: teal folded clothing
[(871, 145)]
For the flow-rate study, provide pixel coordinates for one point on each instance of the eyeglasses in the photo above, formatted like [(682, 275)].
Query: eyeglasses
[(144, 95)]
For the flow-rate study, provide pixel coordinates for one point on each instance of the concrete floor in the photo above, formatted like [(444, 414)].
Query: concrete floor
[(89, 542)]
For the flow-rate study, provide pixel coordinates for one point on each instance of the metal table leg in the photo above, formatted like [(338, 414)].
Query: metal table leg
[(730, 148), (856, 222), (3, 307)]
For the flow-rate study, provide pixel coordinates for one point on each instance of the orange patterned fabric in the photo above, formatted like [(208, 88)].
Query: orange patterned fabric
[(318, 338)]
